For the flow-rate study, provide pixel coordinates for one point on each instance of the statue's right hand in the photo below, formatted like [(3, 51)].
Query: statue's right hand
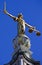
[(5, 11)]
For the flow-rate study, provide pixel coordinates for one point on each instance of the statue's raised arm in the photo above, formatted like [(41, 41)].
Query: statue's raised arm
[(6, 12)]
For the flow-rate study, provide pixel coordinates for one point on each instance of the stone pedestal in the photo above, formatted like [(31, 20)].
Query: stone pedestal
[(22, 54)]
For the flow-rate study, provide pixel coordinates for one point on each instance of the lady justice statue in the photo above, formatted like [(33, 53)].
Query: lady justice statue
[(21, 42), (21, 23)]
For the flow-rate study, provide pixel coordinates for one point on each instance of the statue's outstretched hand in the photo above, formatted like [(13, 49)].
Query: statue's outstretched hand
[(5, 11)]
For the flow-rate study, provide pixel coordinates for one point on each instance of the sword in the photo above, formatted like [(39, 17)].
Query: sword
[(5, 5)]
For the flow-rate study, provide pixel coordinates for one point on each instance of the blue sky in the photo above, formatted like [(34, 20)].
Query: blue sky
[(32, 12)]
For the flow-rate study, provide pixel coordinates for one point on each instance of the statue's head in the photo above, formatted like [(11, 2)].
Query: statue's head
[(20, 15)]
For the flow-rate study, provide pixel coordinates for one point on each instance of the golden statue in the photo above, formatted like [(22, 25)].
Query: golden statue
[(21, 23)]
